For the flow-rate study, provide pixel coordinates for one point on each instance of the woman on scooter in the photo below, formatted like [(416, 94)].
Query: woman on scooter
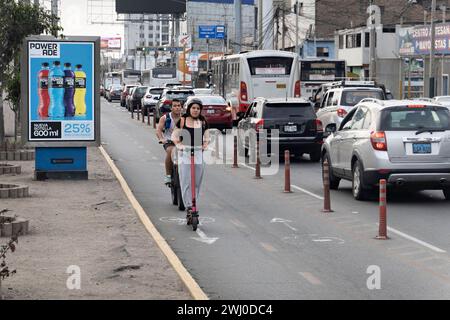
[(191, 134)]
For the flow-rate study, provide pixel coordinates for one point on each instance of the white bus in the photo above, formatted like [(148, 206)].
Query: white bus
[(315, 72), (240, 78), (159, 76)]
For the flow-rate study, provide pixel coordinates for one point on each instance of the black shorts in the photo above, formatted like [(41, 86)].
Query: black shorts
[(168, 144)]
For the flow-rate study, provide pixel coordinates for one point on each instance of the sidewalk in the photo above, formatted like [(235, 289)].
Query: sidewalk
[(90, 224)]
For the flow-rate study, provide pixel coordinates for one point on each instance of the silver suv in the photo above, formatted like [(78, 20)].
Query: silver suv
[(405, 142), (341, 97)]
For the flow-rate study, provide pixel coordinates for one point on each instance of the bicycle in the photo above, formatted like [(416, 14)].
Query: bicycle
[(174, 185)]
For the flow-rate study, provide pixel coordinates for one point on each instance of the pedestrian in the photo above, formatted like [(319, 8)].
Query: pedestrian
[(191, 132)]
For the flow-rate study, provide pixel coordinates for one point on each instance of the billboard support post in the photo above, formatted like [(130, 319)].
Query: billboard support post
[(60, 101)]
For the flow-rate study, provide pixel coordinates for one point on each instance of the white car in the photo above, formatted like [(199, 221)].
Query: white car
[(151, 97), (203, 91), (338, 101), (444, 100)]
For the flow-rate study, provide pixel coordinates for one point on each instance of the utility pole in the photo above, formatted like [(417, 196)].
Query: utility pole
[(237, 26), (260, 24), (431, 71), (372, 43), (54, 4), (283, 30), (296, 25)]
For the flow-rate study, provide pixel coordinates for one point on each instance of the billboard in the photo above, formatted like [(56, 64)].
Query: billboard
[(153, 6), (60, 88), (111, 43), (416, 41)]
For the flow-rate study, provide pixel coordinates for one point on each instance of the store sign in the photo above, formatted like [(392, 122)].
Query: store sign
[(114, 43), (59, 85), (415, 41)]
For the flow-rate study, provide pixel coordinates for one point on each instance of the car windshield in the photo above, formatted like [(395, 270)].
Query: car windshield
[(412, 119), (115, 88), (213, 100), (443, 99), (286, 110), (202, 91), (178, 95), (353, 97), (140, 90), (156, 91)]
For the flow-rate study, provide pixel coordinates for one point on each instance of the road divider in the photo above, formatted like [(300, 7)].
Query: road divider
[(258, 162), (287, 172), (235, 152), (326, 187), (382, 227)]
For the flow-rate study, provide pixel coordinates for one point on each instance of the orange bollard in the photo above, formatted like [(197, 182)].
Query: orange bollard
[(132, 113), (235, 153), (326, 187), (287, 172), (138, 111), (148, 115), (154, 120), (258, 162), (382, 229), (143, 114)]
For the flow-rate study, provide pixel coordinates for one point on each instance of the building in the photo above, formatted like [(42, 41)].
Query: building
[(352, 45), (317, 48), (145, 30)]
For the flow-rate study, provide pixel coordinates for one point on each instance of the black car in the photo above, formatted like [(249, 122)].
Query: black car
[(114, 93), (164, 104), (136, 97), (299, 130)]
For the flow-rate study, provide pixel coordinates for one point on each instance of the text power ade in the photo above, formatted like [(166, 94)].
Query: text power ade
[(44, 99), (56, 108), (80, 91), (69, 90)]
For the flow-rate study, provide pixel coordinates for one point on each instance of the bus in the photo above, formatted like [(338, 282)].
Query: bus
[(315, 72), (130, 76), (159, 76), (111, 78), (240, 78)]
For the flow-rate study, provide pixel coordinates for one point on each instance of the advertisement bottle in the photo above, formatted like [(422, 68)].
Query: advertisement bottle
[(80, 91), (69, 90), (56, 108), (44, 99)]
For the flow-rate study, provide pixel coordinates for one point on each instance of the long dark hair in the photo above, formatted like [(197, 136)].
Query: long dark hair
[(188, 113)]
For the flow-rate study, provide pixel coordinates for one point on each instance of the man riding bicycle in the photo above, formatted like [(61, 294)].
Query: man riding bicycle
[(164, 131)]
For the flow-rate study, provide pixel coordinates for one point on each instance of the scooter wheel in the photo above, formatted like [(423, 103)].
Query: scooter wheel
[(194, 223)]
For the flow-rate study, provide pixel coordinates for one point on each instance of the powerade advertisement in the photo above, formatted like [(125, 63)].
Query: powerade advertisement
[(61, 91)]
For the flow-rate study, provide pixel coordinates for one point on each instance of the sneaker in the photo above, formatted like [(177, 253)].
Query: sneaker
[(168, 179)]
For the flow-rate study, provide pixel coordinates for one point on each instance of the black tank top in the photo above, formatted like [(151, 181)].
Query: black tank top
[(198, 133)]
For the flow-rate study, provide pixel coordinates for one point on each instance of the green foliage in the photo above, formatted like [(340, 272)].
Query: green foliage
[(17, 21), (12, 88)]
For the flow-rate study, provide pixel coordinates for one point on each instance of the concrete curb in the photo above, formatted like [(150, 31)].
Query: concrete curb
[(13, 191), (193, 287), (11, 225), (10, 168), (17, 155)]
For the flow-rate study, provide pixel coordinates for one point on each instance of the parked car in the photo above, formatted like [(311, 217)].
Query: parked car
[(341, 98), (128, 98), (299, 129), (136, 97), (114, 92), (171, 85), (215, 110), (102, 90), (125, 92), (164, 104), (150, 98), (444, 100), (406, 142), (203, 91)]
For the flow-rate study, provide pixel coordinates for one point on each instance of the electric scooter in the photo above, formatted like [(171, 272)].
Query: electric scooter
[(193, 218)]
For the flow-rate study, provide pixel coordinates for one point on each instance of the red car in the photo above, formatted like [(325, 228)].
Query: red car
[(125, 92), (215, 110)]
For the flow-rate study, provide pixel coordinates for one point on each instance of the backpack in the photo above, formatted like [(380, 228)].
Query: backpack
[(168, 122)]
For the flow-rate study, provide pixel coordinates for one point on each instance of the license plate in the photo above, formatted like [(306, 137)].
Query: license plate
[(210, 111), (281, 86), (421, 147), (290, 128)]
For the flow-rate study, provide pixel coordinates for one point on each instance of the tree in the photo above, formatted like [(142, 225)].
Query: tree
[(17, 21)]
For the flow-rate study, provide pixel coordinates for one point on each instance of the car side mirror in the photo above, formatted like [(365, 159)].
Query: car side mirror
[(331, 128)]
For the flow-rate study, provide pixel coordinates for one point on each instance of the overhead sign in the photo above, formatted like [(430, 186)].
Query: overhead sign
[(416, 41), (113, 43), (211, 32), (59, 91)]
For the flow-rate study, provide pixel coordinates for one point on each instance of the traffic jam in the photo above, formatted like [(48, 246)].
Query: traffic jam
[(306, 137)]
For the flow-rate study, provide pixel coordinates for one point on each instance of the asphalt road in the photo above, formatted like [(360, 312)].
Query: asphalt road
[(256, 242)]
